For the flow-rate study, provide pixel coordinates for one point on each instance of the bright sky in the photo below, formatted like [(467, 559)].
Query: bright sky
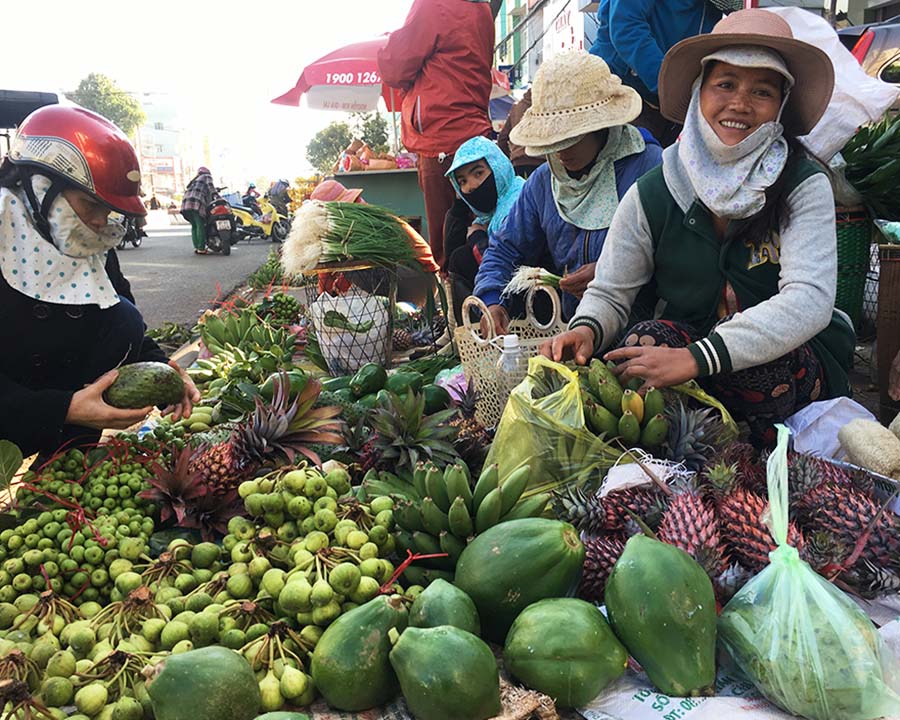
[(221, 61)]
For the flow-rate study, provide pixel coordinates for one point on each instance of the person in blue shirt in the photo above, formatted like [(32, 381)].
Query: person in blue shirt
[(579, 120), (634, 35), (486, 188)]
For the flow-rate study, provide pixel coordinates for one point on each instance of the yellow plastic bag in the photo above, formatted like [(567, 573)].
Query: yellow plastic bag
[(807, 646), (543, 426)]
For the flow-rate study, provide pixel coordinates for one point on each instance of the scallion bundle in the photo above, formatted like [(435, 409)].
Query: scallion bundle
[(527, 278), (329, 232)]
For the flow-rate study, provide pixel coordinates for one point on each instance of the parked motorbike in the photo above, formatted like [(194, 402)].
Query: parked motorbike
[(134, 233), (221, 227), (269, 224)]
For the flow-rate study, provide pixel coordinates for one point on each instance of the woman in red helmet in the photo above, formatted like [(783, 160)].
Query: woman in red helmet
[(69, 181)]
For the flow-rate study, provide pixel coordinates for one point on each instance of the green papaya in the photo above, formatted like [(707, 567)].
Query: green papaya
[(436, 399), (369, 401), (212, 683), (297, 379), (336, 383), (282, 715), (144, 384), (661, 605), (401, 381), (369, 379), (383, 398), (446, 673), (444, 604), (564, 648), (513, 564), (350, 665)]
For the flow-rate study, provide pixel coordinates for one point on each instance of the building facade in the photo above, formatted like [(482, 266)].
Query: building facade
[(168, 153)]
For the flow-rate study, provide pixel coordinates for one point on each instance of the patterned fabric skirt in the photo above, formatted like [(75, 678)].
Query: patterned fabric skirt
[(761, 395)]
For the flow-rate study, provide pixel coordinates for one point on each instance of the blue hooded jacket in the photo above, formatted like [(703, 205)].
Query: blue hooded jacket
[(634, 35), (509, 185), (535, 234)]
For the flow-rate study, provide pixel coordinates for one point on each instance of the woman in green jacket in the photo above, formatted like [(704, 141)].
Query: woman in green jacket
[(730, 245)]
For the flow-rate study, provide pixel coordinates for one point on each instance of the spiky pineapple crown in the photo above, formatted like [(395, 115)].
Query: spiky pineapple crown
[(404, 434), (289, 428), (174, 488)]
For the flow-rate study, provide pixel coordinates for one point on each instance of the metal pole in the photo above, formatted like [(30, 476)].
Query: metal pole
[(394, 124), (832, 13)]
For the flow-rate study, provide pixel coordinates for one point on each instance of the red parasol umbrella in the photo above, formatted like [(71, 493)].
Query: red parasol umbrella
[(348, 79)]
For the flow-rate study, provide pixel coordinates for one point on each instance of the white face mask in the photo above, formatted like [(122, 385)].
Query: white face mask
[(72, 237)]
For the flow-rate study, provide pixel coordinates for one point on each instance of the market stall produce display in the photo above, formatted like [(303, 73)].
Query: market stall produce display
[(302, 541)]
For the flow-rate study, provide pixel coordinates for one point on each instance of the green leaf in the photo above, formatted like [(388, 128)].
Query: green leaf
[(10, 462)]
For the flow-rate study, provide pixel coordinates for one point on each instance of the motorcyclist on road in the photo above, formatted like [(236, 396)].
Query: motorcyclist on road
[(249, 199), (200, 192), (69, 181)]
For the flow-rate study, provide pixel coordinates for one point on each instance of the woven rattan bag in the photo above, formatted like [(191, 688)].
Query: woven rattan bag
[(479, 355)]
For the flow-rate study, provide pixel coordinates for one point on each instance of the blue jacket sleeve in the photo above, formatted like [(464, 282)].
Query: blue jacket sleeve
[(630, 33), (519, 241)]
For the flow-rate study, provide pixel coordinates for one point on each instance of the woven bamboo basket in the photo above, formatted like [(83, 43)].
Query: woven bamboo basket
[(479, 355)]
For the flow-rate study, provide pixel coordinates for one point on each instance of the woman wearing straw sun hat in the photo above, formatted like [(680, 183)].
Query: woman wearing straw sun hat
[(579, 119), (735, 233)]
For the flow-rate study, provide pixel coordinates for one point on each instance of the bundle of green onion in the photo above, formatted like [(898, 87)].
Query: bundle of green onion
[(528, 278), (330, 232)]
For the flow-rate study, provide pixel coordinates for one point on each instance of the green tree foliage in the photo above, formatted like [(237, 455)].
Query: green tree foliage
[(372, 128), (326, 147), (100, 93)]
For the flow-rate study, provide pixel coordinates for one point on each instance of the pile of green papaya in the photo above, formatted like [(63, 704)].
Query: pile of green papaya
[(613, 411), (371, 385)]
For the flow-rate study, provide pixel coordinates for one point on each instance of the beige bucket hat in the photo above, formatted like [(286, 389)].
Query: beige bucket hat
[(811, 68), (573, 94)]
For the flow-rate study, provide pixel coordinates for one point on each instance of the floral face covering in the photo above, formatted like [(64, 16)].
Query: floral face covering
[(71, 270)]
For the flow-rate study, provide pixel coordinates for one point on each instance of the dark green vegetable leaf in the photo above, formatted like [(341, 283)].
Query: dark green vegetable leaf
[(10, 462)]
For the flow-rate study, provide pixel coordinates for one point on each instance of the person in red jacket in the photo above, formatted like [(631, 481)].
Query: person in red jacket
[(441, 58)]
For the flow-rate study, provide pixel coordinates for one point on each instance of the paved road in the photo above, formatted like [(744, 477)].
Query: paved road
[(171, 283)]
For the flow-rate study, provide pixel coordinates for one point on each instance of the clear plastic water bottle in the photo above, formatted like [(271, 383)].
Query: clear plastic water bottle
[(513, 366)]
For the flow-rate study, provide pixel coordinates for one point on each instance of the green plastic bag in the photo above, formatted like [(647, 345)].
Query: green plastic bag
[(806, 645), (543, 426)]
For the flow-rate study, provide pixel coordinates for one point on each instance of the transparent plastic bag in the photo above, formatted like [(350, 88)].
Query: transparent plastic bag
[(543, 426), (806, 645)]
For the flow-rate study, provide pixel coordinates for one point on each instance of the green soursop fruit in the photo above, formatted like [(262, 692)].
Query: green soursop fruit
[(143, 384)]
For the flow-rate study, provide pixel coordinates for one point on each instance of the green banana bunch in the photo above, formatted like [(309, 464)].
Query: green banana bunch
[(244, 330), (442, 511), (616, 412)]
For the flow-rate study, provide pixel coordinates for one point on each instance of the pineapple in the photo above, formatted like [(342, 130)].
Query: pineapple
[(174, 488), (744, 534), (871, 581), (718, 481), (824, 552), (750, 468), (279, 430), (600, 556), (691, 436), (404, 434), (474, 440), (402, 340), (807, 472), (847, 513), (597, 516), (730, 580), (691, 525)]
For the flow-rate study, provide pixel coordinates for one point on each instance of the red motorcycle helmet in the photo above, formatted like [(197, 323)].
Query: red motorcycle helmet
[(83, 149)]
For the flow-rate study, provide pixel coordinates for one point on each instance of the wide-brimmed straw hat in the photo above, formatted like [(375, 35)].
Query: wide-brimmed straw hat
[(332, 190), (811, 68), (573, 94)]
